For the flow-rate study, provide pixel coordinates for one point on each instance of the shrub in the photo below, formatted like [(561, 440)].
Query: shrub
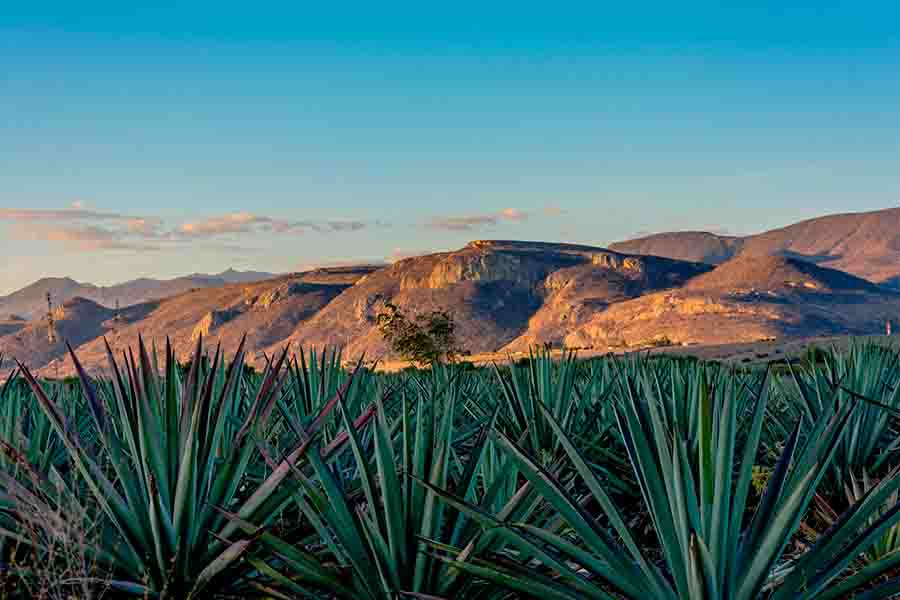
[(425, 339)]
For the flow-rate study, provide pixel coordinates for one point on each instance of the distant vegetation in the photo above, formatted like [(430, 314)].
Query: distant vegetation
[(424, 339), (617, 478)]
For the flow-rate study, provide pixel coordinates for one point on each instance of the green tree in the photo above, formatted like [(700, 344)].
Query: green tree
[(424, 339)]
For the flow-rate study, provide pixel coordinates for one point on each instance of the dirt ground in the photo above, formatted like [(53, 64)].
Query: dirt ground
[(744, 353)]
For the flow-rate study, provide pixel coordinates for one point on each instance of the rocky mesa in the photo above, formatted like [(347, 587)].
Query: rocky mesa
[(498, 291)]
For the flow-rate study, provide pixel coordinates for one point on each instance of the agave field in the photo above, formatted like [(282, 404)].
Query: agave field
[(618, 478)]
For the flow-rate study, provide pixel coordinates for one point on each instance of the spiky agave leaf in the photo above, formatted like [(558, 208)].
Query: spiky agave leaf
[(697, 493), (865, 376), (374, 521), (177, 450)]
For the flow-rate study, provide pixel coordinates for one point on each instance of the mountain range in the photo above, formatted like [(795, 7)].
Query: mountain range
[(31, 301), (835, 275), (866, 244)]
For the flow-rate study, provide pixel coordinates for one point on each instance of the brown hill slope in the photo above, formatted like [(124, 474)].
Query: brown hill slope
[(575, 294), (267, 311), (744, 300), (864, 244), (11, 325), (492, 288), (749, 272), (77, 321), (31, 301)]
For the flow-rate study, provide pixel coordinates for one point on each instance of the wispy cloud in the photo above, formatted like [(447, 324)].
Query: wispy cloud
[(83, 229), (76, 213), (398, 254), (248, 223), (551, 210), (340, 262), (506, 215), (514, 214), (146, 227), (470, 222), (84, 238), (234, 223), (462, 223)]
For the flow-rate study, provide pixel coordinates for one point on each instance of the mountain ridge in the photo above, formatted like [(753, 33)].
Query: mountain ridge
[(30, 301), (508, 295), (866, 244)]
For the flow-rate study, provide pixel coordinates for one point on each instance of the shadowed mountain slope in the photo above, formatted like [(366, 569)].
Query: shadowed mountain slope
[(864, 244)]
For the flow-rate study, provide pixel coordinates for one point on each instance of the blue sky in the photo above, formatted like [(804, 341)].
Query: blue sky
[(170, 138)]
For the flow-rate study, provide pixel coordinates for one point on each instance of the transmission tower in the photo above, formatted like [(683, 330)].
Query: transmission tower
[(51, 326)]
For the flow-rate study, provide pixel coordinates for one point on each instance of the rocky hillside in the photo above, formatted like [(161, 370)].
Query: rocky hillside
[(747, 299), (864, 244), (31, 301), (77, 322), (11, 325), (495, 291), (267, 312), (574, 295)]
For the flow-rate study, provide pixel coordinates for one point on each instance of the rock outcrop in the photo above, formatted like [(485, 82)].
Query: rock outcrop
[(747, 299), (280, 293), (212, 321), (495, 290), (576, 294)]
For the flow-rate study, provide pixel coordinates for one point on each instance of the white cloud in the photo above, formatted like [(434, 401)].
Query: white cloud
[(479, 221)]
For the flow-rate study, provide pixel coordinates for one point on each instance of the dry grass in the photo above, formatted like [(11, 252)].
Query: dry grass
[(53, 555)]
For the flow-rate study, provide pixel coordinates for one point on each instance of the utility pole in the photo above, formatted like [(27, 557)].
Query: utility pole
[(51, 327)]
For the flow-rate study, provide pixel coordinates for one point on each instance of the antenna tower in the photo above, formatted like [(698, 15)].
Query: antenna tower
[(51, 325)]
